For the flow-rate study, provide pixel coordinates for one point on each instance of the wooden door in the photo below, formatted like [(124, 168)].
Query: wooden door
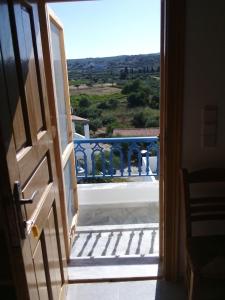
[(30, 191), (57, 78)]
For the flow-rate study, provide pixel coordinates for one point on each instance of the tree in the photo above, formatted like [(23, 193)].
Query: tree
[(136, 99), (95, 124), (109, 129), (108, 120), (83, 112), (130, 87), (123, 75)]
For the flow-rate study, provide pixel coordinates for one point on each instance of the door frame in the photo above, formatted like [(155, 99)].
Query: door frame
[(171, 123), (171, 117)]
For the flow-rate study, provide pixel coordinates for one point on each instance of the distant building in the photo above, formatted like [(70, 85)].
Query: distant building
[(84, 122), (133, 132)]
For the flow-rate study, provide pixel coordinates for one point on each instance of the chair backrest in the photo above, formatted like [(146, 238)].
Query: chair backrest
[(202, 208)]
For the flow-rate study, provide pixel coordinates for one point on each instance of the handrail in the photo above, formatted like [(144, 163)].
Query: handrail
[(116, 157), (116, 140)]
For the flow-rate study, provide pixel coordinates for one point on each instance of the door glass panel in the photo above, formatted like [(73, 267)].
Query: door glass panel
[(59, 85), (69, 191)]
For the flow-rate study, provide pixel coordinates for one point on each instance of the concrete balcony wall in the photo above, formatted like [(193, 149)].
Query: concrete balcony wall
[(118, 203)]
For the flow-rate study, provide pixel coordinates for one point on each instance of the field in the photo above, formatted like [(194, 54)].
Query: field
[(97, 89)]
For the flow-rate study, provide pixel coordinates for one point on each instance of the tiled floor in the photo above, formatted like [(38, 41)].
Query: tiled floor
[(112, 251), (132, 290)]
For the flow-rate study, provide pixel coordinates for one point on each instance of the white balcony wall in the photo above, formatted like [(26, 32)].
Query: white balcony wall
[(118, 203)]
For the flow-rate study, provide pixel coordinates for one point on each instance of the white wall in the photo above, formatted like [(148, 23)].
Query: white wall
[(204, 80), (204, 83)]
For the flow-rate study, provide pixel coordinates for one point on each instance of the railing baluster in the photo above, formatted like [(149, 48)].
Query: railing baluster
[(147, 159), (111, 161), (139, 160)]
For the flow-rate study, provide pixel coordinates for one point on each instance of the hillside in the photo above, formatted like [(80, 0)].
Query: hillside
[(108, 69)]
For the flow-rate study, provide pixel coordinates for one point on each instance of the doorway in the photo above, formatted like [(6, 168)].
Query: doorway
[(117, 227)]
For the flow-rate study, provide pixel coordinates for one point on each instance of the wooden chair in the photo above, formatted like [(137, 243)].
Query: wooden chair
[(205, 253)]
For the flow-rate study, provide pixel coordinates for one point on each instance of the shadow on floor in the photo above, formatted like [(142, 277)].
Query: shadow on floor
[(125, 241)]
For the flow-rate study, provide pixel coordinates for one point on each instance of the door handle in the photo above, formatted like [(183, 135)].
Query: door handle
[(28, 200), (21, 201)]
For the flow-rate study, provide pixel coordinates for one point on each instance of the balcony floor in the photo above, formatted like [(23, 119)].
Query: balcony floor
[(115, 251)]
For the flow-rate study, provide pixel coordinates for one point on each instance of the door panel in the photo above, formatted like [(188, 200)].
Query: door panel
[(40, 272), (38, 181), (51, 245), (20, 116), (31, 74), (35, 240)]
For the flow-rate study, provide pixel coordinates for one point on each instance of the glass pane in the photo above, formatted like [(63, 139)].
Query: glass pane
[(59, 84), (69, 192)]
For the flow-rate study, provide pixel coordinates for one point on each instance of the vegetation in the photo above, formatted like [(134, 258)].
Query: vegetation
[(117, 92)]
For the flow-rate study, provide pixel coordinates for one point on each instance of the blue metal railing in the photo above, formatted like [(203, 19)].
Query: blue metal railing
[(116, 157)]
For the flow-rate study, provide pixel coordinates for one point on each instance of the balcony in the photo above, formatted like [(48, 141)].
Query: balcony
[(118, 194)]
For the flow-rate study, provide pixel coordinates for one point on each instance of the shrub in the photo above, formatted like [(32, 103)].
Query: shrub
[(152, 121), (146, 118), (113, 103), (103, 105), (154, 102), (139, 119), (84, 102)]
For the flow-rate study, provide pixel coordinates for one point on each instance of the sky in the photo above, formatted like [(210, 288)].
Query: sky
[(105, 28)]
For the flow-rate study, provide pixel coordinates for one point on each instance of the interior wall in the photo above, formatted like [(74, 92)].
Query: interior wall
[(204, 80), (204, 84)]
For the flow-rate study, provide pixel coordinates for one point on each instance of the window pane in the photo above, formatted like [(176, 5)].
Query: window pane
[(59, 84)]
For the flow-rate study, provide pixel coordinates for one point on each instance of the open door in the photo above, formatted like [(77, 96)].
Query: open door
[(29, 186), (57, 78)]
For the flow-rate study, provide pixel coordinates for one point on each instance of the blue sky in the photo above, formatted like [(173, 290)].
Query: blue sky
[(110, 27)]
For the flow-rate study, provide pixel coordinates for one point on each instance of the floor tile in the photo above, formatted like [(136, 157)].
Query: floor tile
[(132, 290)]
